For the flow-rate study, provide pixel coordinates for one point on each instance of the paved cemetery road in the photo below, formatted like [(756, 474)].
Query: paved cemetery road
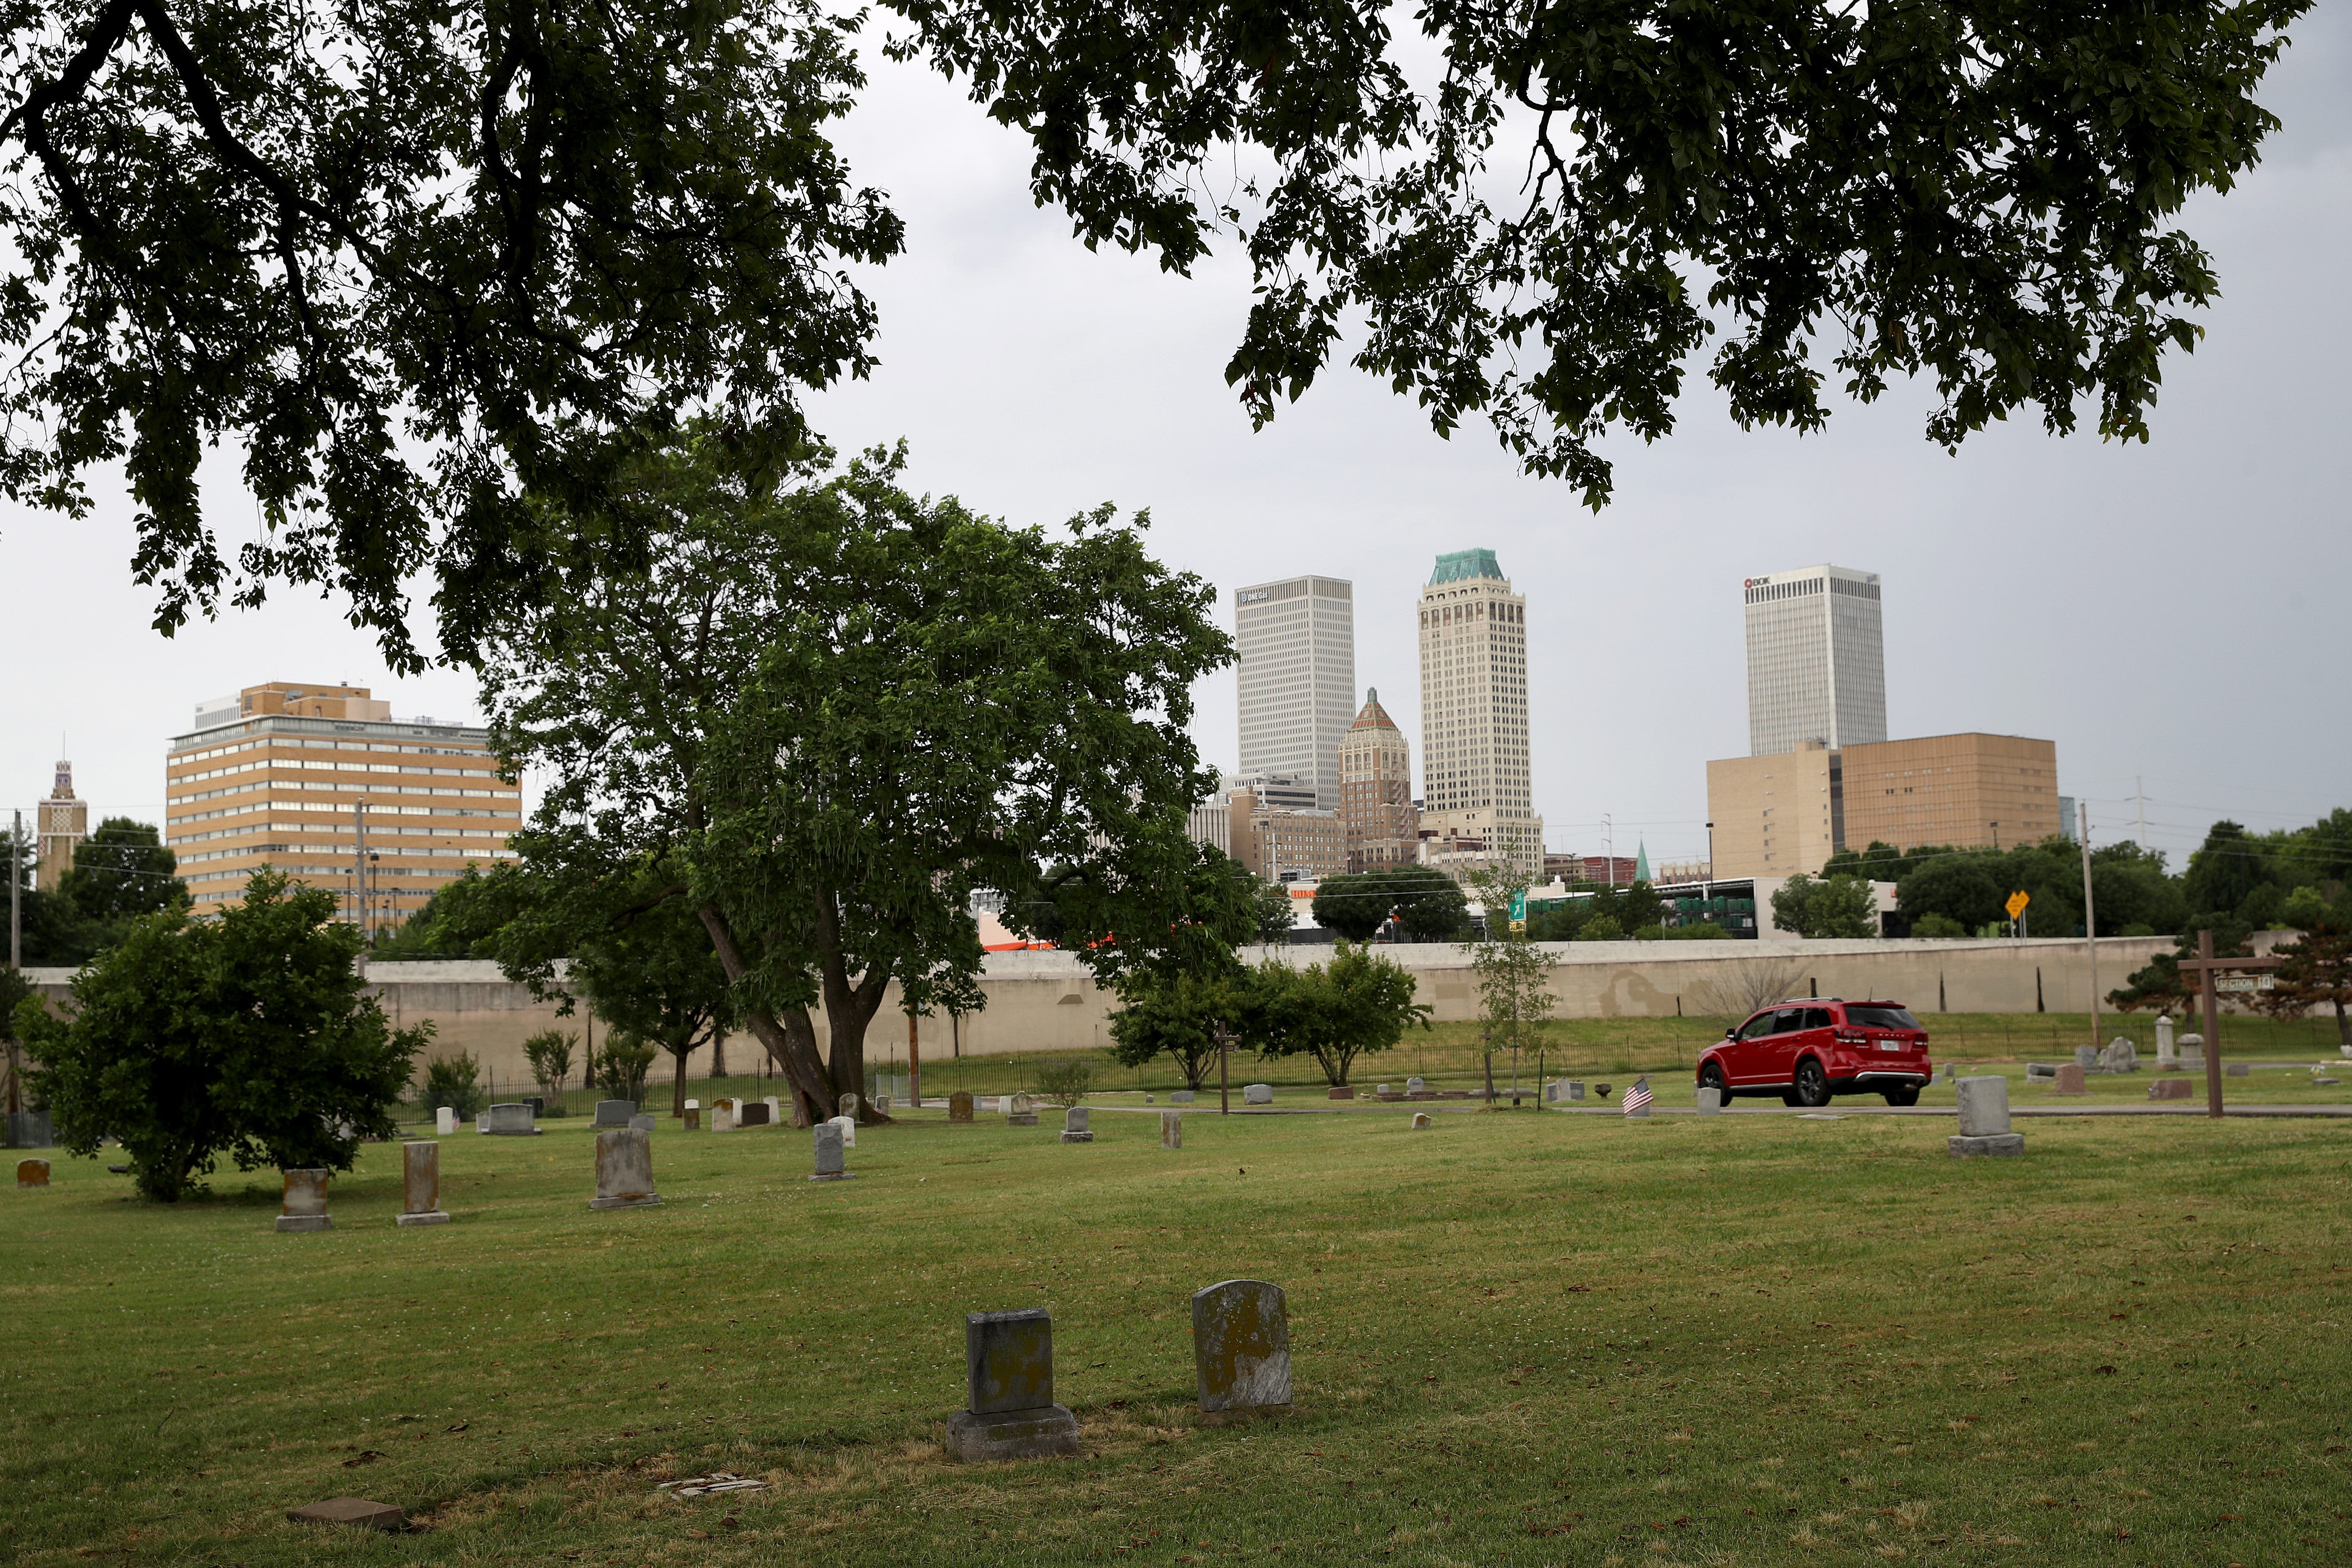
[(1436, 1106)]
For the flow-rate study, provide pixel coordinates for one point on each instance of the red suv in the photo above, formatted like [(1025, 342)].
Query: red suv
[(1805, 1051)]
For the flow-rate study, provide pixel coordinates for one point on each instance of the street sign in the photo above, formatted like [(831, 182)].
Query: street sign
[(1518, 910), (2016, 905), (2246, 983)]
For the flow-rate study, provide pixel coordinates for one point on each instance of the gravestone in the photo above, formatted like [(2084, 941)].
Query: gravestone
[(830, 1164), (1641, 1109), (444, 1120), (1075, 1128), (775, 1105), (1010, 1413), (625, 1170), (351, 1510), (754, 1114), (1182, 1096), (2235, 1069), (615, 1113), (1383, 1089), (1950, 1072), (849, 1106), (1257, 1094), (2070, 1078), (1172, 1130), (420, 1185), (693, 1116), (32, 1173), (2168, 1055), (1020, 1112), (2042, 1073), (643, 1121), (1984, 1117), (481, 1122), (1710, 1101), (2192, 1053), (1415, 1086), (1241, 1347), (722, 1116), (848, 1125), (511, 1121), (2171, 1088), (1421, 1121), (881, 1105), (1147, 1097), (304, 1204), (960, 1106), (2087, 1058), (538, 1103), (1341, 1092), (2120, 1056)]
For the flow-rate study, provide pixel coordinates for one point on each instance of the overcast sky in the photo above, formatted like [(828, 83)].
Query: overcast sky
[(2172, 614)]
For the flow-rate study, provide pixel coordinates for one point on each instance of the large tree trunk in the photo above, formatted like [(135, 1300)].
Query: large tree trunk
[(794, 1050), (678, 1084)]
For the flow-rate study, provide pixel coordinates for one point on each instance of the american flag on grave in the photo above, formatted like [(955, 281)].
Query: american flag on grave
[(1637, 1099)]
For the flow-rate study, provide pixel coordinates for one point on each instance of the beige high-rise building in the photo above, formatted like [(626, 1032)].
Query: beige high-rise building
[(1474, 710), (292, 775), (59, 823), (1376, 792), (1286, 844), (1779, 816)]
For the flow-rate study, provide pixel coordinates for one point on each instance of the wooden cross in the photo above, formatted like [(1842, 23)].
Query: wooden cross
[(2209, 969)]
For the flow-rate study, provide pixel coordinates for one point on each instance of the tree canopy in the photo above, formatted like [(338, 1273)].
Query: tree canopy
[(121, 872), (1830, 907), (837, 712)]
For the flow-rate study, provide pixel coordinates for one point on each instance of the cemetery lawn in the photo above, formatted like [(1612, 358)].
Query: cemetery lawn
[(1519, 1337)]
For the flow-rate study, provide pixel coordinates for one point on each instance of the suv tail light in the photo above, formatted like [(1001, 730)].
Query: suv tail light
[(1851, 1037)]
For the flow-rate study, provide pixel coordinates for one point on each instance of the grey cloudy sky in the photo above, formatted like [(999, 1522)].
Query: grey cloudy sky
[(2172, 613)]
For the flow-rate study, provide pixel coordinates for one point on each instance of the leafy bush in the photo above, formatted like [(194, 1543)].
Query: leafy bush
[(1935, 925), (455, 1082), (1066, 1080), (622, 1067), (550, 1055)]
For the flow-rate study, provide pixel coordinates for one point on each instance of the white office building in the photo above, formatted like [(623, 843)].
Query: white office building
[(1296, 640), (1473, 712), (1816, 660)]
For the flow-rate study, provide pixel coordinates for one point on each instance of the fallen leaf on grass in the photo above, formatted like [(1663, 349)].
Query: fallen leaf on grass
[(369, 1457)]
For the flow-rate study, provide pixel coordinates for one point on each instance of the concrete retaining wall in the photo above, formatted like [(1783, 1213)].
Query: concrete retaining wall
[(1047, 1000)]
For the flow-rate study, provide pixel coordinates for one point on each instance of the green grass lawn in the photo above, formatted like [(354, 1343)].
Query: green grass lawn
[(1519, 1338)]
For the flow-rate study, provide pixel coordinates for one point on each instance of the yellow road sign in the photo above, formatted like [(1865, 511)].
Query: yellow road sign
[(2016, 905)]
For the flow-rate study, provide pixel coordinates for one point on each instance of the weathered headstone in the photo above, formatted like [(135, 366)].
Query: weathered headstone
[(1710, 1101), (511, 1121), (1950, 1072), (2070, 1078), (830, 1164), (1383, 1089), (693, 1116), (420, 1185), (1340, 1092), (2171, 1088), (2041, 1073), (304, 1204), (881, 1105), (643, 1121), (1415, 1086), (1257, 1094), (1172, 1130), (1984, 1117), (2087, 1058), (2192, 1053), (1576, 1088), (482, 1121), (615, 1113), (1182, 1096), (754, 1114), (959, 1106), (32, 1173), (1241, 1347), (775, 1104), (2168, 1055), (2120, 1056), (1009, 1368), (2236, 1069), (849, 1106), (625, 1170), (444, 1120), (1020, 1112), (722, 1116), (1074, 1127), (351, 1510), (1420, 1122)]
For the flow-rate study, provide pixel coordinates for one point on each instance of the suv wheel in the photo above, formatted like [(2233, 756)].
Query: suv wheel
[(1711, 1077), (1812, 1083), (1903, 1096)]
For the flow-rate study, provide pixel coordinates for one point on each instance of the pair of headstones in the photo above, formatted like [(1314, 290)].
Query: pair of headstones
[(1241, 1362), (1984, 1117), (1560, 1090), (509, 1121)]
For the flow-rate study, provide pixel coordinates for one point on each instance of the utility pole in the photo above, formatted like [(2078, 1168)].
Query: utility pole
[(1608, 839), (2090, 914), (359, 867), (2140, 795), (16, 893)]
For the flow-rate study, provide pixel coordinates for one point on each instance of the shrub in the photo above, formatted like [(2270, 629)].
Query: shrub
[(1066, 1080), (1935, 925), (455, 1082), (622, 1067), (550, 1055)]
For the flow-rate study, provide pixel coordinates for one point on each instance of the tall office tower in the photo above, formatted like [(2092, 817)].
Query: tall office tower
[(1376, 792), (1296, 640), (1474, 710), (1816, 660), (59, 823), (273, 775)]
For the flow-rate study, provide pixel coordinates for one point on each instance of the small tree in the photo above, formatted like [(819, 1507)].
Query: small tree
[(550, 1055), (253, 1035), (623, 1067), (2316, 969), (1840, 907), (1176, 1014), (1513, 976), (1357, 1005), (1428, 903), (1354, 906), (453, 1081), (1066, 1080)]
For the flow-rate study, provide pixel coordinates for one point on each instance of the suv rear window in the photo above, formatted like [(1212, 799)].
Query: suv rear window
[(1881, 1018)]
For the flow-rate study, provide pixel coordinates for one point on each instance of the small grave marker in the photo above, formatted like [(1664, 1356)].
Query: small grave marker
[(830, 1164), (303, 1205), (511, 1121), (1421, 1121), (1172, 1130), (351, 1510), (1075, 1128), (1010, 1412), (32, 1173), (960, 1106), (625, 1170), (1257, 1094), (615, 1113), (444, 1120), (1710, 1101), (2070, 1078), (1984, 1117), (420, 1185), (1020, 1112)]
